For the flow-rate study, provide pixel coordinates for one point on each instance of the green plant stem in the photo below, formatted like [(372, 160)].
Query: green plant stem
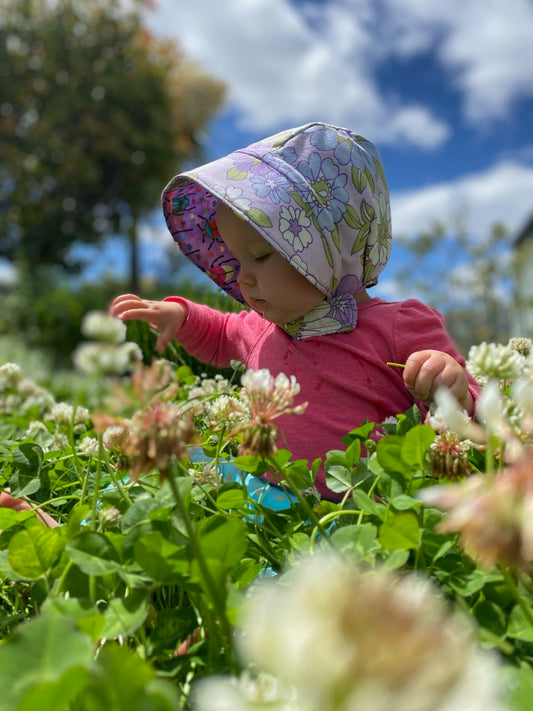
[(118, 486), (331, 517), (489, 455), (212, 590), (94, 503), (370, 492), (301, 500), (92, 588), (59, 587)]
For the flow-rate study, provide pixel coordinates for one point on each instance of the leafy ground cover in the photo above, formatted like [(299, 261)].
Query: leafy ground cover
[(167, 584)]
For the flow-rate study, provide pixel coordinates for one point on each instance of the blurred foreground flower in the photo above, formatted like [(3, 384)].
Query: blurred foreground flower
[(99, 326), (245, 693), (10, 376), (492, 514), (347, 640), (496, 361), (450, 416), (152, 437), (267, 398), (106, 358)]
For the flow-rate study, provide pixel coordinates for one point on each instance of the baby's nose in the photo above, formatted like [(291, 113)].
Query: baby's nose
[(245, 276)]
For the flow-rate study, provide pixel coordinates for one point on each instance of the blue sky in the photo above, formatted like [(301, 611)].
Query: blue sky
[(444, 89)]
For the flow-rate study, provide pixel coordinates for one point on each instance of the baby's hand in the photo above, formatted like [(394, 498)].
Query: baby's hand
[(427, 371), (167, 316)]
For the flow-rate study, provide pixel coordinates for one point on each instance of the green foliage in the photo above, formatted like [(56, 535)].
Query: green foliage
[(90, 125), (48, 323), (137, 592)]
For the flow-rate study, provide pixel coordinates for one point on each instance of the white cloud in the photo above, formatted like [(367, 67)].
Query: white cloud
[(489, 46), (484, 45), (287, 64), (500, 194)]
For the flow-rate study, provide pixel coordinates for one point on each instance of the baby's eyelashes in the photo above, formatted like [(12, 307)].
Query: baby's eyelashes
[(261, 257)]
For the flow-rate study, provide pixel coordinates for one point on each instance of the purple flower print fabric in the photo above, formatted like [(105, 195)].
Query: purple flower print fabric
[(316, 193)]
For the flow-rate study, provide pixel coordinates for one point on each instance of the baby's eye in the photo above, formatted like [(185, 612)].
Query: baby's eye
[(261, 257)]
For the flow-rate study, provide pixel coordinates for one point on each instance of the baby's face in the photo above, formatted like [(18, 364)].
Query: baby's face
[(268, 283)]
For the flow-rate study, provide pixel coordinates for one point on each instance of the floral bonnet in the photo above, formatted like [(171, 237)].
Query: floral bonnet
[(316, 193)]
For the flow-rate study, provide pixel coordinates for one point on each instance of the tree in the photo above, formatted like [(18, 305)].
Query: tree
[(95, 115), (468, 281)]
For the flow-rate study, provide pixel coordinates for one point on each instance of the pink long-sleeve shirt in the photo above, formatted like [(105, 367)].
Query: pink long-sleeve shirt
[(344, 377)]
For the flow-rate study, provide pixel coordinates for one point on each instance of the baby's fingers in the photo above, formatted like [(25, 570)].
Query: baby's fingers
[(134, 309), (423, 373), (122, 303)]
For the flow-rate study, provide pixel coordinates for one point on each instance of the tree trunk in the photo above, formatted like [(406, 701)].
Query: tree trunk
[(134, 258)]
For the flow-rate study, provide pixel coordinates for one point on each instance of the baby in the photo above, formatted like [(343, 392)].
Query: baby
[(297, 227)]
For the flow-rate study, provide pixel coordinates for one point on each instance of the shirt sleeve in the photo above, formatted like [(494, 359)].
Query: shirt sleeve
[(215, 337), (420, 327)]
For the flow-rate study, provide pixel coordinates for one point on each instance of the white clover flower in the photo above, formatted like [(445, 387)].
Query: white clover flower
[(522, 393), (207, 473), (65, 414), (114, 436), (106, 358), (38, 432), (10, 376), (243, 693), (522, 345), (494, 360), (391, 420), (35, 428), (209, 386), (268, 398), (99, 326), (60, 442), (332, 632), (89, 446), (226, 411), (29, 388), (261, 386), (10, 403)]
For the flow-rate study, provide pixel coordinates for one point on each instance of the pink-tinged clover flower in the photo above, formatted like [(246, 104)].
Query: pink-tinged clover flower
[(268, 398), (449, 456), (153, 437), (492, 514)]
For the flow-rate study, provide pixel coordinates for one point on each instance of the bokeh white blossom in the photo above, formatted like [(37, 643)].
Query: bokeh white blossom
[(338, 638), (96, 358), (99, 326), (497, 361)]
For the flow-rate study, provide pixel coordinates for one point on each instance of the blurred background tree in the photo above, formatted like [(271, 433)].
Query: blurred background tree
[(471, 282), (96, 115)]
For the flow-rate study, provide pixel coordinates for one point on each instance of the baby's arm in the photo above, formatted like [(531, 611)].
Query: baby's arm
[(167, 316), (427, 371)]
